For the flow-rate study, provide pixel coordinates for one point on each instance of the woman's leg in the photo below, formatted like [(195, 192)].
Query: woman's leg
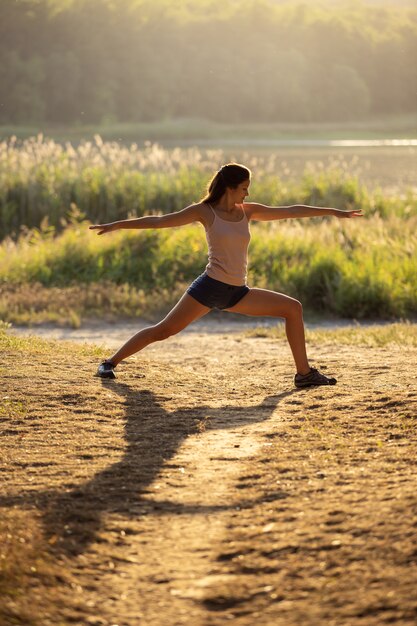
[(269, 303), (184, 312)]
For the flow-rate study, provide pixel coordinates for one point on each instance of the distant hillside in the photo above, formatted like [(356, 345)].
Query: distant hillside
[(100, 61)]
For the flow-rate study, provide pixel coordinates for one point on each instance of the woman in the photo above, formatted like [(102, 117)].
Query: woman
[(225, 216)]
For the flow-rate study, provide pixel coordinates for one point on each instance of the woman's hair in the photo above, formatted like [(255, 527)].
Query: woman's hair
[(230, 175)]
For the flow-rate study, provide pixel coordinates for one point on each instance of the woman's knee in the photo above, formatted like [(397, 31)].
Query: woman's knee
[(295, 308), (163, 330)]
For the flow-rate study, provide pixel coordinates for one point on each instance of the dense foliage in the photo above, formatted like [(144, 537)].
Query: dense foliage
[(356, 268), (50, 263), (99, 61), (41, 180)]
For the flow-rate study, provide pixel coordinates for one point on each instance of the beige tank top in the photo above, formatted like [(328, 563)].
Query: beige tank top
[(228, 250)]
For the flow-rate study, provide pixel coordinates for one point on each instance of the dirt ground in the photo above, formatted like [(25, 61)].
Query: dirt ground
[(201, 488)]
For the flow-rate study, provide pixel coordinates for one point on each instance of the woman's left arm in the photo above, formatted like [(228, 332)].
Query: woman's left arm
[(264, 213)]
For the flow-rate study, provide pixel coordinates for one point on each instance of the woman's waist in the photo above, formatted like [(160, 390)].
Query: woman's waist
[(226, 275)]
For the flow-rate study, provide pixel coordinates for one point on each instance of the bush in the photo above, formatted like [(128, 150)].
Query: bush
[(355, 268)]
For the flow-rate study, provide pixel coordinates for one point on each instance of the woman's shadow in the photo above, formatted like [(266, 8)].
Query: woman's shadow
[(72, 519)]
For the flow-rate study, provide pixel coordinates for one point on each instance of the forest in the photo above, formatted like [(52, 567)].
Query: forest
[(102, 61)]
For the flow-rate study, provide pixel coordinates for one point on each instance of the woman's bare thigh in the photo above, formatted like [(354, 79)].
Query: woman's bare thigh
[(186, 310), (264, 302)]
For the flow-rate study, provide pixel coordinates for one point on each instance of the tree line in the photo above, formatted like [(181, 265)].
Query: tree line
[(103, 61)]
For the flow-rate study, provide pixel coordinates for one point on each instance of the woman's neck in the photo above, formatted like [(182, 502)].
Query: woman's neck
[(224, 206)]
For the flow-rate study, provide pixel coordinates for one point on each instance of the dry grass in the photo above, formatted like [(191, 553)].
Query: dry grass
[(32, 303), (44, 180), (200, 487), (402, 334)]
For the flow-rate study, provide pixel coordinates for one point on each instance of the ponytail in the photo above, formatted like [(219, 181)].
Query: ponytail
[(230, 175)]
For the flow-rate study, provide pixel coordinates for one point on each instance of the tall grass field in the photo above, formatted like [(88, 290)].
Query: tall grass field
[(53, 267)]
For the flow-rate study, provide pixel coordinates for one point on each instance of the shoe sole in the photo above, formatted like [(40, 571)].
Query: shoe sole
[(304, 385), (110, 375)]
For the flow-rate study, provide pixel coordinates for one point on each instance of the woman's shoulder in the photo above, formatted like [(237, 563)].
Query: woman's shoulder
[(205, 213)]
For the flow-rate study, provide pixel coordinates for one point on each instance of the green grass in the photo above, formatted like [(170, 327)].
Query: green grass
[(362, 268), (52, 268)]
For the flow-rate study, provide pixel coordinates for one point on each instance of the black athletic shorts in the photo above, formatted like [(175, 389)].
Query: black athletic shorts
[(215, 294)]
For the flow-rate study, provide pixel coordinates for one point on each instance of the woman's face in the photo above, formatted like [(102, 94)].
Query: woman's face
[(240, 192)]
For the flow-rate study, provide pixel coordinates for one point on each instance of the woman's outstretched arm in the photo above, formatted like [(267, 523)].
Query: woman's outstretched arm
[(263, 213), (188, 215)]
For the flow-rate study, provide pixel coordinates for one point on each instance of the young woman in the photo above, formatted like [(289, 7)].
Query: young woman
[(225, 216)]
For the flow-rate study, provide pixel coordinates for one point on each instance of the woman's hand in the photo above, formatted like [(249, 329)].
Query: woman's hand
[(105, 228), (340, 213)]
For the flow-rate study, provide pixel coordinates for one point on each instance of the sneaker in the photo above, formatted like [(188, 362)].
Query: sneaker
[(106, 370), (314, 377)]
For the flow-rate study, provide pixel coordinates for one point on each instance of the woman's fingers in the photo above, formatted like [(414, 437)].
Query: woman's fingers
[(352, 214), (102, 228)]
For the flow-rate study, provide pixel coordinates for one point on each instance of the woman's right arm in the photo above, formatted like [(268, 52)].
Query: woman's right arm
[(188, 215)]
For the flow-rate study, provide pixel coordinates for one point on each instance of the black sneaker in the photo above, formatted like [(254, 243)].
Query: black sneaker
[(106, 370), (314, 377)]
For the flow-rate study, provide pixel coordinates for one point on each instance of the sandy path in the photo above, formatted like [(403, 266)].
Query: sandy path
[(192, 500), (193, 497), (114, 334), (200, 488)]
